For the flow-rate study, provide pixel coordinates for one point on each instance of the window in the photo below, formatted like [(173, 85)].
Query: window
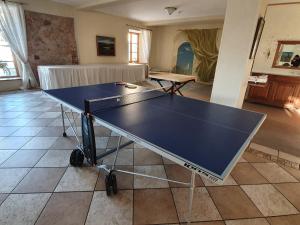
[(133, 48), (7, 61)]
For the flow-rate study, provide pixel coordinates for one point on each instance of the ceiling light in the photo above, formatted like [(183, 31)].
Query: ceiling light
[(170, 10)]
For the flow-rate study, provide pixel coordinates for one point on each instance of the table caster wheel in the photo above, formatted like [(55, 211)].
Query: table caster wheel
[(76, 158), (64, 134), (111, 184)]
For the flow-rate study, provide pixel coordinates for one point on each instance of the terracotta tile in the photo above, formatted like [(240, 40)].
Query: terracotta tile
[(66, 209), (291, 191), (3, 197), (9, 178), (145, 212), (125, 157), (12, 143), (294, 172), (24, 158), (251, 157), (22, 209), (176, 172), (203, 207), (27, 132), (55, 158), (233, 203), (124, 181), (78, 179), (154, 170), (5, 154), (117, 209), (229, 181), (245, 173), (284, 220), (268, 200), (64, 143), (40, 180), (258, 221), (274, 173), (144, 156)]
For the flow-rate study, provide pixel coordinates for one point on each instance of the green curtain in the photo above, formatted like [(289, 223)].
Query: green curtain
[(204, 45)]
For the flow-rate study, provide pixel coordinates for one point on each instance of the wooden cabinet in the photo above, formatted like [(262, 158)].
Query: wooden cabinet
[(280, 91)]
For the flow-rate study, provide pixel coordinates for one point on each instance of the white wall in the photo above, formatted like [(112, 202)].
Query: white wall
[(282, 23), (167, 39)]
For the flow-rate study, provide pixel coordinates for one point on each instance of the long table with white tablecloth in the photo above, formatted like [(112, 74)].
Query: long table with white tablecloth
[(61, 76)]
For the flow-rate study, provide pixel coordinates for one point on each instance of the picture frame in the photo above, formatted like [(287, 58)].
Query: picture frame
[(257, 37), (106, 46)]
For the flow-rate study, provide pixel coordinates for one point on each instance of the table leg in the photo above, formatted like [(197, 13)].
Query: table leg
[(63, 119), (191, 197)]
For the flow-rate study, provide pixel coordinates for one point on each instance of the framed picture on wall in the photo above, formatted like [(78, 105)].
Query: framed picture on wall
[(106, 46), (257, 36)]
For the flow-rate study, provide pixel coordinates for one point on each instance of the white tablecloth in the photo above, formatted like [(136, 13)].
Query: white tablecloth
[(62, 76)]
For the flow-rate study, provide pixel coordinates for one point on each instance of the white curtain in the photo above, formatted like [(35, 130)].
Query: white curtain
[(146, 36), (12, 24)]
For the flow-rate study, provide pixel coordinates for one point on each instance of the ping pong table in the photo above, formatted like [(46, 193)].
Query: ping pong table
[(205, 138)]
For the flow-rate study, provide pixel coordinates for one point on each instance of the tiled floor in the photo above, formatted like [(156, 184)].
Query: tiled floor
[(38, 186)]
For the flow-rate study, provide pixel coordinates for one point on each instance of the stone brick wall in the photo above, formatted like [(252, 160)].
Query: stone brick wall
[(51, 40)]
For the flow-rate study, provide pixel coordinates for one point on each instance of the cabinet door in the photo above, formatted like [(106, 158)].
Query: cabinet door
[(258, 93), (282, 93)]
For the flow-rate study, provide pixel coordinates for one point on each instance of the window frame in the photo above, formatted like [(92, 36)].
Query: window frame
[(131, 33)]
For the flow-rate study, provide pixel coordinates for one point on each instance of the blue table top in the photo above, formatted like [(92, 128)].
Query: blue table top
[(206, 134)]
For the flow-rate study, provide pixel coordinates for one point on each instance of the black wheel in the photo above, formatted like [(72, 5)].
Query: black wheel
[(107, 185), (76, 158), (64, 134), (114, 183)]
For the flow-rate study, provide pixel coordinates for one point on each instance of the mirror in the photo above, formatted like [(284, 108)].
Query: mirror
[(287, 55)]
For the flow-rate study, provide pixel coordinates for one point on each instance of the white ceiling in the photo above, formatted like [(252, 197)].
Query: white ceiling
[(152, 11)]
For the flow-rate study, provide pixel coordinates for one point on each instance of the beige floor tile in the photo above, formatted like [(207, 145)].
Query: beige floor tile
[(125, 157), (66, 209), (55, 158), (40, 143), (154, 206), (78, 179), (27, 132), (117, 209), (144, 156), (28, 115), (70, 132), (154, 170), (22, 209), (291, 191), (251, 157), (24, 158), (203, 207), (5, 154), (294, 172), (51, 132), (274, 173), (49, 115), (58, 122), (258, 221), (64, 143), (101, 142), (167, 161), (11, 143), (209, 223), (15, 122), (285, 220), (9, 178), (101, 131), (245, 173), (176, 172), (113, 141), (40, 180), (124, 181), (6, 131), (229, 181), (233, 203), (268, 200), (2, 198), (39, 122)]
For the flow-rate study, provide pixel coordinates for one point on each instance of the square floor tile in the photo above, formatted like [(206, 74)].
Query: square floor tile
[(125, 157), (228, 181), (40, 143), (51, 132), (258, 221), (66, 209), (5, 154), (78, 179), (154, 170), (101, 142), (143, 156), (15, 122), (6, 131), (124, 181), (209, 223), (70, 132), (24, 158), (40, 180), (113, 142), (291, 191), (58, 122), (9, 178), (251, 157), (55, 158), (284, 220), (268, 200), (39, 122), (22, 208), (179, 173), (294, 172), (203, 206), (245, 173), (64, 143), (233, 203), (49, 115), (13, 142), (3, 197), (154, 206), (27, 132), (101, 131), (28, 115), (117, 209), (274, 173)]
